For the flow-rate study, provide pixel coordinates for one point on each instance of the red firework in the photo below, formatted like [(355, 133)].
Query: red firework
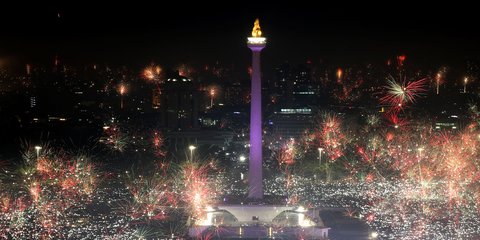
[(399, 94)]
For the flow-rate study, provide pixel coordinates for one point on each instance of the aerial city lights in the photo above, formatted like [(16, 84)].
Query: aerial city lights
[(213, 149)]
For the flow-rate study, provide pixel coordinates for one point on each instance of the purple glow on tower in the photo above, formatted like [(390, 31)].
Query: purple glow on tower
[(255, 188)]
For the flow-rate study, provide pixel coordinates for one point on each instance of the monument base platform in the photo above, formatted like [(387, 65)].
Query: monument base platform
[(260, 222)]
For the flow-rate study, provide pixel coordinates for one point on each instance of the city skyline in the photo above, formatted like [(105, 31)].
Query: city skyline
[(142, 121)]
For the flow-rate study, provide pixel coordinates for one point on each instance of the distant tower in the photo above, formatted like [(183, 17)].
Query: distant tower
[(256, 43)]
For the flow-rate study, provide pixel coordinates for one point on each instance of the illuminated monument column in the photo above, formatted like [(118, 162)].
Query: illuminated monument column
[(254, 221), (255, 188)]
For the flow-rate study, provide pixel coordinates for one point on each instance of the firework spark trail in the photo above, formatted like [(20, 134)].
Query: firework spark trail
[(185, 70), (394, 120), (196, 187), (434, 190), (153, 73), (373, 120), (151, 197), (440, 79), (286, 155), (398, 95), (418, 183), (114, 136), (47, 190), (330, 135), (347, 86), (158, 144), (57, 195), (286, 158), (415, 183)]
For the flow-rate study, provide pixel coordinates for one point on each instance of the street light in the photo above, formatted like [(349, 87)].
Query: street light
[(122, 89), (212, 94), (465, 80), (439, 76), (420, 150), (320, 156), (191, 147), (320, 159), (38, 148), (242, 158)]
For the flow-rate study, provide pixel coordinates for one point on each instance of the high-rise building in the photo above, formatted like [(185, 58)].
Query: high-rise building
[(180, 103), (235, 94), (294, 83), (156, 95)]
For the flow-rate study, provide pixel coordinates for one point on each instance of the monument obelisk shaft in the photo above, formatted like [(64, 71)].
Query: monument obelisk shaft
[(255, 188)]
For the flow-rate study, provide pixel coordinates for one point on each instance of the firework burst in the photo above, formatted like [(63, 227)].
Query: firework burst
[(196, 187), (399, 94), (45, 192), (153, 73)]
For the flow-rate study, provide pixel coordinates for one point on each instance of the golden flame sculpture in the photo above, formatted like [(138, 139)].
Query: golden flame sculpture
[(256, 31)]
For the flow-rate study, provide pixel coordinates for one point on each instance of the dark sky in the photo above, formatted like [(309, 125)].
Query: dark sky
[(136, 32)]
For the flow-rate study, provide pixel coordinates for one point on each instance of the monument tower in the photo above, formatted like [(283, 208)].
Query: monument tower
[(255, 185), (257, 220)]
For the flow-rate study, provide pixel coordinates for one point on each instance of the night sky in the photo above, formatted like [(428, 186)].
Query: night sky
[(137, 33)]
